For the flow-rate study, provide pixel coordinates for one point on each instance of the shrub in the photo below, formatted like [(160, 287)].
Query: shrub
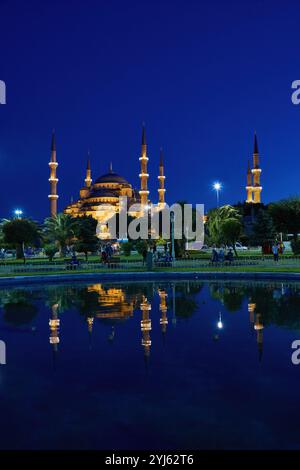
[(295, 244), (126, 247)]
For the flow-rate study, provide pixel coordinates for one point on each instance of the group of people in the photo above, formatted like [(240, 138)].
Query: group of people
[(106, 253), (220, 255), (277, 249)]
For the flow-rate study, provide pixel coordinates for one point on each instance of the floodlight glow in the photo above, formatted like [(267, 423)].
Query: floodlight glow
[(217, 186), (220, 323), (18, 213)]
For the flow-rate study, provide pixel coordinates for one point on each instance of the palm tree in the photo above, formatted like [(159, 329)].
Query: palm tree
[(217, 217), (60, 229)]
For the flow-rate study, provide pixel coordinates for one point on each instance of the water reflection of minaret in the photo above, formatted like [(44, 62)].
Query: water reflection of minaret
[(163, 308), (90, 323), (251, 309), (146, 326), (54, 324), (258, 326)]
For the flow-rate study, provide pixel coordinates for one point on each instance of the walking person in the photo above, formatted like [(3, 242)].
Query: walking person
[(221, 254), (275, 252), (144, 255), (215, 256)]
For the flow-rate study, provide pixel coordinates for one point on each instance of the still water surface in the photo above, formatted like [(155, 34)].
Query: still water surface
[(187, 365)]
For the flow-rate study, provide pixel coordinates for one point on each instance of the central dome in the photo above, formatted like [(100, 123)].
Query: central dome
[(111, 177)]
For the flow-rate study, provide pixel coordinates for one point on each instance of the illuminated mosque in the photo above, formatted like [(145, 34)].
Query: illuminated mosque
[(101, 198)]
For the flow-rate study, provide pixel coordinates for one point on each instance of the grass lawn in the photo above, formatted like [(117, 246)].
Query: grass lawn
[(91, 259), (241, 269)]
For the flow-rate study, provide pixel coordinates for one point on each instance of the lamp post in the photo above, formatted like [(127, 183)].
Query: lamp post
[(18, 213), (217, 187)]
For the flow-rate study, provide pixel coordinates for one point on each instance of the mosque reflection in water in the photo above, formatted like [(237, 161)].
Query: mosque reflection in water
[(113, 303), (165, 303)]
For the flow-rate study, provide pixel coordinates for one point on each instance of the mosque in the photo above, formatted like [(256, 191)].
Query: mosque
[(101, 199)]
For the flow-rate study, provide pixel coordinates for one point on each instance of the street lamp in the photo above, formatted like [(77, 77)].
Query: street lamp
[(217, 187), (18, 213)]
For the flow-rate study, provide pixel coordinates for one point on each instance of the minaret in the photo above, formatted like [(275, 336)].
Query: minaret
[(146, 326), (163, 308), (53, 180), (256, 171), (161, 178), (144, 175), (249, 187), (88, 180)]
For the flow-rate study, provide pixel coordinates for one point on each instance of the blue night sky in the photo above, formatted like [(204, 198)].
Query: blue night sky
[(201, 74)]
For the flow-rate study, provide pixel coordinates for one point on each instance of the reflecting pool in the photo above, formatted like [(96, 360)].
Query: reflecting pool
[(158, 365)]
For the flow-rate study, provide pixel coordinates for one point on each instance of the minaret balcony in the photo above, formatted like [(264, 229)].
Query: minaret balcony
[(141, 175), (54, 179), (53, 196), (143, 157), (54, 339), (53, 164), (162, 177), (143, 191), (256, 170)]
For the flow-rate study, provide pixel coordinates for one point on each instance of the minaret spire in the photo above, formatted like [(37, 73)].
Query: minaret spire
[(256, 171), (88, 179), (161, 178), (144, 174), (255, 151), (53, 179)]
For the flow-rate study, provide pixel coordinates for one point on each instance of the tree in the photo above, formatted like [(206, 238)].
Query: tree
[(216, 218), (286, 215), (263, 228), (127, 247), (50, 250), (141, 246), (230, 232), (85, 232), (20, 232), (60, 229)]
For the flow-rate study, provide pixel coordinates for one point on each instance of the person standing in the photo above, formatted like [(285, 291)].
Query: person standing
[(275, 251)]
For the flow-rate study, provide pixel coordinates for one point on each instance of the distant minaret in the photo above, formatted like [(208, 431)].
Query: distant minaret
[(161, 178), (256, 171), (53, 180), (249, 187), (88, 180), (144, 175)]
